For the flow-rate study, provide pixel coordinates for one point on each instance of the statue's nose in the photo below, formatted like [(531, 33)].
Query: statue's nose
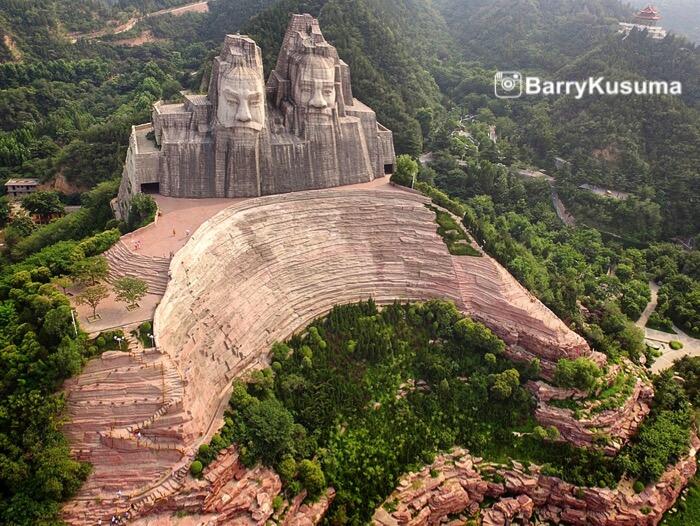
[(317, 100), (243, 113)]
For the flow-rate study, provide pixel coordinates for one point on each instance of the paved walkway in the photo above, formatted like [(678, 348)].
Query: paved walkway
[(651, 307), (113, 314), (660, 339), (178, 216)]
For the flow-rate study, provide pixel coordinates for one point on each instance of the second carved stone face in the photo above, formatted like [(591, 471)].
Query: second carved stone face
[(241, 99), (313, 86)]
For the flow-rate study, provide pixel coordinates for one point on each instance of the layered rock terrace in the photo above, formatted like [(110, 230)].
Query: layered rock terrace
[(254, 274)]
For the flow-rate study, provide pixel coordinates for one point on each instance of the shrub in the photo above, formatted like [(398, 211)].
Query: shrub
[(312, 477), (287, 468), (638, 486), (145, 328), (277, 503), (675, 345), (99, 243), (580, 373), (196, 468), (142, 211), (406, 171)]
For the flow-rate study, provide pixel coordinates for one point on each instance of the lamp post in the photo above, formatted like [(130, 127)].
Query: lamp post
[(119, 340), (75, 326), (153, 340)]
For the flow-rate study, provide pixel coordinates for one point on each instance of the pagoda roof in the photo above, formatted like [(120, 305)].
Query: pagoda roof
[(649, 12)]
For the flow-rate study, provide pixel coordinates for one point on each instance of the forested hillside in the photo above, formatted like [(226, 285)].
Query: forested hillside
[(525, 34), (646, 145), (427, 68)]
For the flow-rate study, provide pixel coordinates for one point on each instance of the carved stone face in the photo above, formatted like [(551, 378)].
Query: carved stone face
[(313, 87), (241, 99)]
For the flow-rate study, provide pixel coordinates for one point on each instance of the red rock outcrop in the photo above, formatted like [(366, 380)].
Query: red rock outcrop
[(254, 274), (609, 430), (456, 484), (231, 494)]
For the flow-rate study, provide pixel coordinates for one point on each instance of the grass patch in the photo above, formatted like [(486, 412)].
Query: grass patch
[(609, 397), (451, 232), (675, 345)]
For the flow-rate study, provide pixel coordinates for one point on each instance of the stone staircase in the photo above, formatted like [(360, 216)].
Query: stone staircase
[(151, 269)]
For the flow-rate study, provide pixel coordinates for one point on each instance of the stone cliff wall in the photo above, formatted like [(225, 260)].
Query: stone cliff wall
[(252, 275), (457, 484)]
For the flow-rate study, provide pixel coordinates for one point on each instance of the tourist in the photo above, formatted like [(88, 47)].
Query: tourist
[(173, 232)]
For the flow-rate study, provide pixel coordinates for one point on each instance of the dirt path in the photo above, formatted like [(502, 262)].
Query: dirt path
[(651, 307), (195, 7)]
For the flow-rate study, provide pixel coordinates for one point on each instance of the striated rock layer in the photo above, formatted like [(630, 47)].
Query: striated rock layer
[(230, 493), (456, 484), (262, 269), (255, 273), (608, 430)]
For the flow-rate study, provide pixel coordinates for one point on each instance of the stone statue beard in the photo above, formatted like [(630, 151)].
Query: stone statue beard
[(241, 100), (313, 88)]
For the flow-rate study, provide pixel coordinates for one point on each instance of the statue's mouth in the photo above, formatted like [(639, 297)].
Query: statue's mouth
[(252, 126), (319, 115)]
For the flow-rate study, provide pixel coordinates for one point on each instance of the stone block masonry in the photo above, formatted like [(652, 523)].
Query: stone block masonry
[(303, 130)]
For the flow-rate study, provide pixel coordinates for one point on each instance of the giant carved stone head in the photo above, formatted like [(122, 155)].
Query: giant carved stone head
[(241, 99), (240, 88), (313, 85)]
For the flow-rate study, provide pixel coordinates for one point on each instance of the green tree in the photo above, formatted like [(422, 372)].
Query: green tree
[(4, 210), (312, 477), (504, 384), (62, 282), (142, 210), (406, 171), (91, 270), (130, 290), (581, 373), (93, 296), (43, 203)]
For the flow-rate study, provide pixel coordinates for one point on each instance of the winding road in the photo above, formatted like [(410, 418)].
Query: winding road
[(195, 7)]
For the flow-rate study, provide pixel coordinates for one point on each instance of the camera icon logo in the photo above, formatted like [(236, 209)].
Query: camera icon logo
[(508, 84)]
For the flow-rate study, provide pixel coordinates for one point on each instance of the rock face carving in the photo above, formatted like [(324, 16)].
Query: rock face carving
[(302, 131), (254, 274)]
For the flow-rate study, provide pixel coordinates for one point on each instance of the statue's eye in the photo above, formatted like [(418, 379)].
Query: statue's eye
[(306, 90), (328, 92)]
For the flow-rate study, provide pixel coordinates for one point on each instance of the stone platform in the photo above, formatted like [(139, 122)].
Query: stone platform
[(254, 274)]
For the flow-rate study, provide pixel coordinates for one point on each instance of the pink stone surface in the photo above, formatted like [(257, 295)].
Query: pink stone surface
[(253, 274), (430, 496)]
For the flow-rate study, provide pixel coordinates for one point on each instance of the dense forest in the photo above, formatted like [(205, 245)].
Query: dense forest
[(427, 69), (364, 395)]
